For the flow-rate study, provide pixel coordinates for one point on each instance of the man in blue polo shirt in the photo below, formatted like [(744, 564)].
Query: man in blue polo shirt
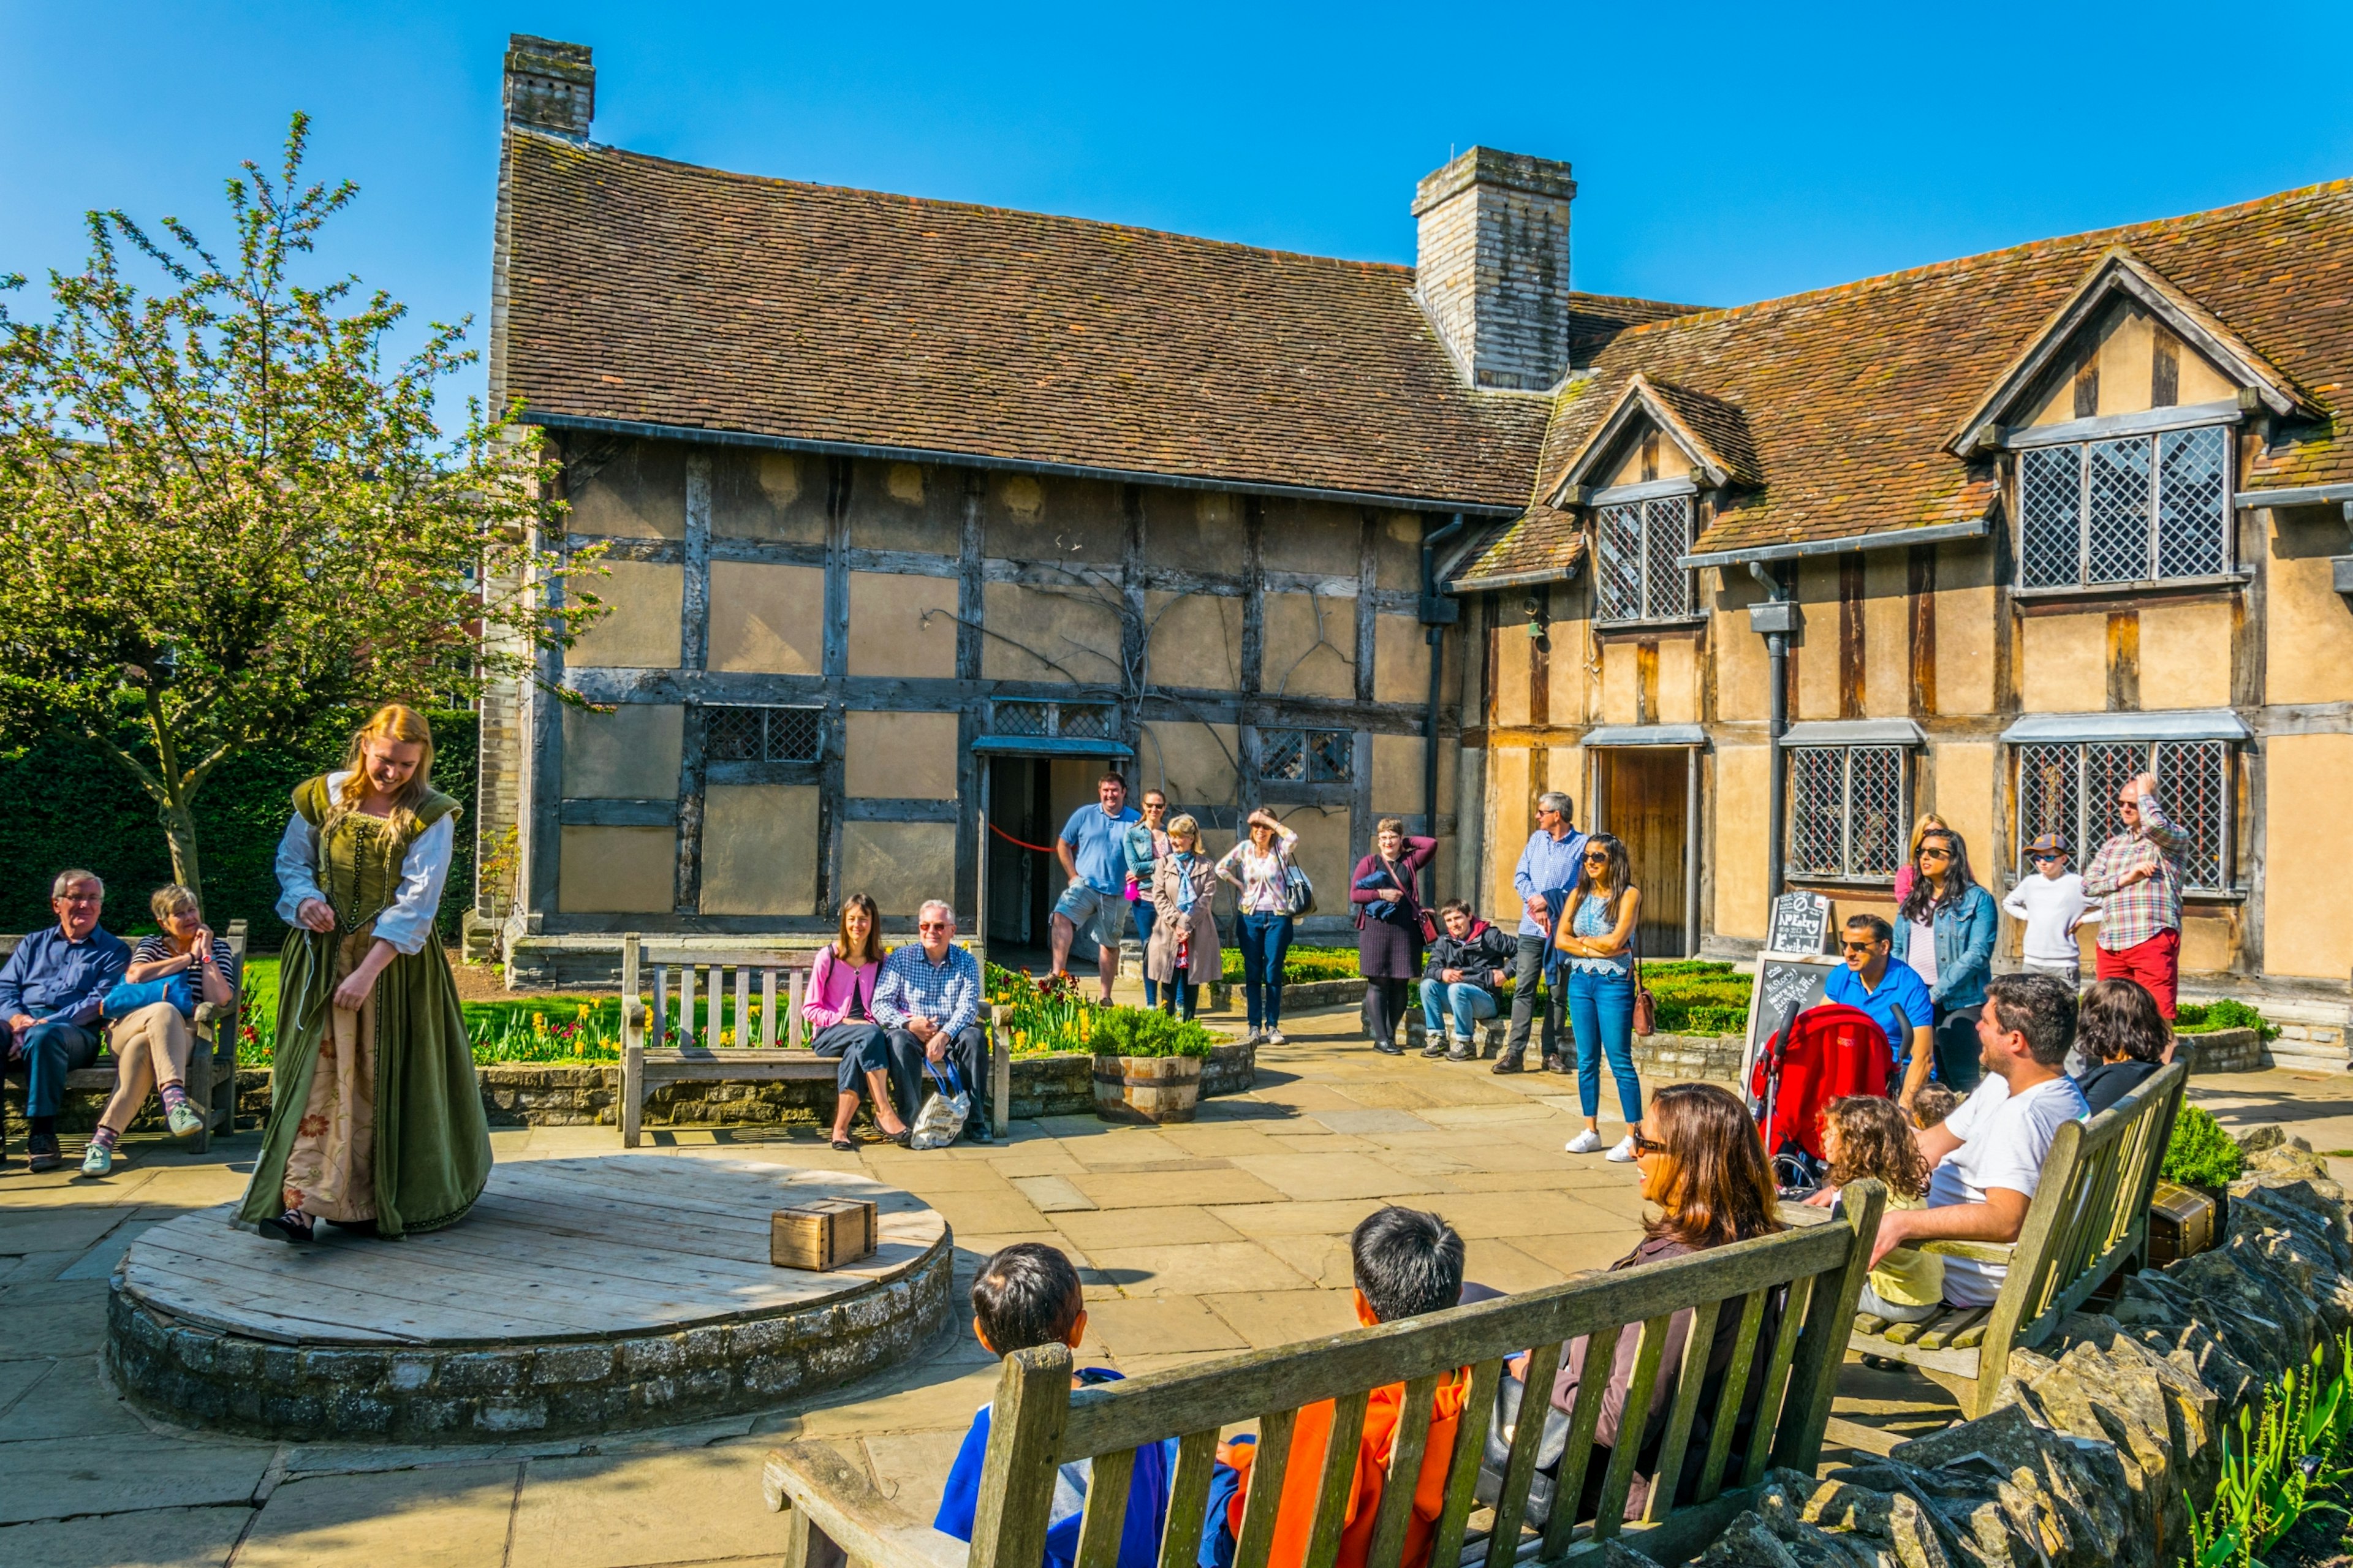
[(1893, 993), (1093, 852)]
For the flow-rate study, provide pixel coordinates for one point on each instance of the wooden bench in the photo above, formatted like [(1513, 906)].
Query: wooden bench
[(709, 979), (1040, 1422), (2089, 1219), (206, 1068)]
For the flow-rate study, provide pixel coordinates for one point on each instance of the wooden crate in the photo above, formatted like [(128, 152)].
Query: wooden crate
[(821, 1235), (2181, 1223)]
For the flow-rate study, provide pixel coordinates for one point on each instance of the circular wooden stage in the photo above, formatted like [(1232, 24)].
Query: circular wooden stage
[(579, 1296)]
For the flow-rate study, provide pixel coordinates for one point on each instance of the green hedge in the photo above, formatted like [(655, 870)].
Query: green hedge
[(64, 803)]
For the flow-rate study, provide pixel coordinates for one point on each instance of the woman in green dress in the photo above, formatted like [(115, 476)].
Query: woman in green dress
[(376, 1123)]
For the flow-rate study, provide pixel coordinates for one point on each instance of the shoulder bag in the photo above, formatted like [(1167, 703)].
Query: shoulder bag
[(1298, 892), (1646, 1006)]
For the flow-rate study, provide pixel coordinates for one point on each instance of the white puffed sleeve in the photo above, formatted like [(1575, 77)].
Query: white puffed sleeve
[(297, 869), (407, 924)]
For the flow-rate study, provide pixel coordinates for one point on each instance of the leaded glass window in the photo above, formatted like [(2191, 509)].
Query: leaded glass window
[(2136, 508)]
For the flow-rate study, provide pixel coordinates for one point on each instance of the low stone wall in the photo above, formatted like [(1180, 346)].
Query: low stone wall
[(2103, 1439), (2223, 1050)]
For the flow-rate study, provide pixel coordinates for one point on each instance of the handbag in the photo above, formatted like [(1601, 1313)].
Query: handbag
[(1298, 892), (941, 1119), (1646, 1006), (179, 990)]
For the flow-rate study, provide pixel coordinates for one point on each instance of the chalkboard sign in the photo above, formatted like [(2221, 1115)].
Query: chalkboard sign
[(1801, 923), (1784, 982)]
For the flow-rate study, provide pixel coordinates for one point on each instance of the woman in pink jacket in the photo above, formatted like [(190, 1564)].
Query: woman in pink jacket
[(838, 1013)]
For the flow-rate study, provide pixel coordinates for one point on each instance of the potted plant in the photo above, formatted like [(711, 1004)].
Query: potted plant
[(1147, 1065)]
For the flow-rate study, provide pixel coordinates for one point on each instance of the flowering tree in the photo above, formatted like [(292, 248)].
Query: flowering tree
[(224, 513)]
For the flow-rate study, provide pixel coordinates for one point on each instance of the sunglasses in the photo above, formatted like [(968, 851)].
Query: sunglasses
[(2040, 859), (1647, 1146), (1857, 946), (1935, 854), (1596, 859)]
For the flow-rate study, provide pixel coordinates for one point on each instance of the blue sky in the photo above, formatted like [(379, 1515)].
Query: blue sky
[(1722, 153)]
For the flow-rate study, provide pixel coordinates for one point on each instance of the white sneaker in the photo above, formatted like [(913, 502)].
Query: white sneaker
[(1584, 1142), (1624, 1154), (183, 1120), (1277, 1037)]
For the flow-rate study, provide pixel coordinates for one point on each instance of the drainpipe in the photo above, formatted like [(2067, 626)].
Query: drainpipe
[(1776, 618), (1438, 613)]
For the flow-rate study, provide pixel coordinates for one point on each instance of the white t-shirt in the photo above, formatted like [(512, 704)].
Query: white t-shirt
[(1920, 950), (2051, 906), (2005, 1137)]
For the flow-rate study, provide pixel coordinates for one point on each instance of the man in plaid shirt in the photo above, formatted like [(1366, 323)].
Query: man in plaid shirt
[(2136, 876), (928, 1002)]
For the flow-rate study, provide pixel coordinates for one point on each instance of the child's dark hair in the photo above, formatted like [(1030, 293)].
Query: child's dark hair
[(1407, 1263), (1027, 1295), (2118, 1022), (1873, 1141), (1932, 1105)]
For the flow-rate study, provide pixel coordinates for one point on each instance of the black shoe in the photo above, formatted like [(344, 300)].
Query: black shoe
[(844, 1146), (977, 1131), (1435, 1049), (41, 1151), (356, 1226), (1553, 1064), (1507, 1064), (1388, 1049), (293, 1225)]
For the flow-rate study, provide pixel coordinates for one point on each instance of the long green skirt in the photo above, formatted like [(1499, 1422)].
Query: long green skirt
[(386, 1104)]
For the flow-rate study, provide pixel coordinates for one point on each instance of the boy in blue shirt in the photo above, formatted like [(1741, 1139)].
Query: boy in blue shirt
[(1029, 1295), (1893, 993)]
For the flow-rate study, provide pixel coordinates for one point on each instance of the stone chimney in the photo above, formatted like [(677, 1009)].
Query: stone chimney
[(1492, 265), (551, 86)]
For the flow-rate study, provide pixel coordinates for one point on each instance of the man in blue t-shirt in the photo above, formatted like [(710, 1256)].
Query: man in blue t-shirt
[(1093, 852), (1893, 993)]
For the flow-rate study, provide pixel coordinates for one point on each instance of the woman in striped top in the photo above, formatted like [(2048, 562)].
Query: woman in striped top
[(151, 1046)]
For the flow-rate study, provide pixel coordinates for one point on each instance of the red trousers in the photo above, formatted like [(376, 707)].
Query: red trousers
[(2155, 963)]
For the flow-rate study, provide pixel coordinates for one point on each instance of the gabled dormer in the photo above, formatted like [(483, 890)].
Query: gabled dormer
[(2119, 422), (1641, 476)]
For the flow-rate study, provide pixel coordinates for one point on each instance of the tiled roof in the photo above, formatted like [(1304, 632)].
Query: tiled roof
[(1546, 541), (654, 292), (1849, 394)]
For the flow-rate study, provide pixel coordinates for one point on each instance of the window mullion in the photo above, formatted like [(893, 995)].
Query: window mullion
[(2083, 514), (2156, 507), (1846, 812)]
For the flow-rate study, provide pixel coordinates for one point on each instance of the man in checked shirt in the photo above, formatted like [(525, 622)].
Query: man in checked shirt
[(2136, 875)]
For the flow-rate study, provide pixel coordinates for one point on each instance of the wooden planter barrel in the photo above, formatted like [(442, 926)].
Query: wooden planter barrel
[(1147, 1088)]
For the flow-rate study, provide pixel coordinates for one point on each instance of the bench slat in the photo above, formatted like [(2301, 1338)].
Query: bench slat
[(1470, 1443), (1188, 1499), (1609, 1512), (1106, 1509), (1339, 1479), (1021, 1469), (1576, 1454), (662, 1001), (1736, 1389), (798, 958), (1689, 1378), (1387, 1544), (768, 1012), (1520, 1469), (1945, 1330), (1777, 1380), (1268, 1470)]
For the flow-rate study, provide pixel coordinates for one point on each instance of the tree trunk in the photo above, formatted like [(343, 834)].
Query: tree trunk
[(180, 831)]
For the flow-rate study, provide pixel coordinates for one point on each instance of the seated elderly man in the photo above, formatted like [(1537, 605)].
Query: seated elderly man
[(928, 1002), (51, 990), (1987, 1156)]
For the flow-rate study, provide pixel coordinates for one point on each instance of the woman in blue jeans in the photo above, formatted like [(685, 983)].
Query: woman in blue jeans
[(1596, 942), (1945, 928), (1258, 867)]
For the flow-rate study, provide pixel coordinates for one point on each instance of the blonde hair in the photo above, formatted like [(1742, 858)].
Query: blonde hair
[(170, 899), (393, 724), (1929, 823), (1182, 826)]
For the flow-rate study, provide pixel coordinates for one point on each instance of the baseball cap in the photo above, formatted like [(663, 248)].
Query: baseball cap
[(2048, 844)]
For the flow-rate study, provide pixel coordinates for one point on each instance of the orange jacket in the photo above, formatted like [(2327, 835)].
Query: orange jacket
[(1312, 1433)]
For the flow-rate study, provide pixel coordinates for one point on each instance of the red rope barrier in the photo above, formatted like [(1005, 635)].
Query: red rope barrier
[(1039, 849)]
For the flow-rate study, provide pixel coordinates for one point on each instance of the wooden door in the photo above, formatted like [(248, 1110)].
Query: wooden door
[(1643, 802)]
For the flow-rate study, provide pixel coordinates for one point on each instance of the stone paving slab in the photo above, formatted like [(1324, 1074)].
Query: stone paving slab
[(456, 1518), (152, 1538)]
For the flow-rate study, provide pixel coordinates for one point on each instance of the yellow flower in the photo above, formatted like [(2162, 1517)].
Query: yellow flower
[(583, 1012)]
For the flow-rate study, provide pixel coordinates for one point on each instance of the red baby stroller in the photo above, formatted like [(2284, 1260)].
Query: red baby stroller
[(1813, 1059)]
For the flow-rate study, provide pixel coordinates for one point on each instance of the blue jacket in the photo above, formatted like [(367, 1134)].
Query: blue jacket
[(1147, 1495), (1965, 933)]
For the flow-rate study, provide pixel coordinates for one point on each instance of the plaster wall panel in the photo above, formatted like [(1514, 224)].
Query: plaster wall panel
[(1620, 680), (1195, 763), (1324, 852), (2064, 664), (1510, 674), (2307, 625), (777, 496), (1397, 563), (1400, 660), (895, 756), (1508, 820), (1964, 795), (1077, 631), (1966, 630), (1816, 695), (767, 619), (1565, 769), (2125, 362), (2184, 655), (2308, 919), (899, 865), (1313, 536), (641, 631), (1197, 641), (1074, 521), (1310, 645), (2209, 942), (1886, 636), (1195, 530), (1669, 460), (1743, 665), (616, 870), (640, 493), (902, 626), (759, 850), (1575, 693), (1742, 779), (908, 506), (1398, 776), (630, 754), (2200, 382), (1679, 666)]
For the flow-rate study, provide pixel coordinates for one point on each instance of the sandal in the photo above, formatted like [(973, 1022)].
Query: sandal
[(293, 1225), (844, 1146)]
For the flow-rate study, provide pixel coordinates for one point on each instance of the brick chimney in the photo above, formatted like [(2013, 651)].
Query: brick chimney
[(1492, 265), (549, 87)]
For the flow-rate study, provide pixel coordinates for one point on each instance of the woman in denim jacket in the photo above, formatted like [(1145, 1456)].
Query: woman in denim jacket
[(1945, 930)]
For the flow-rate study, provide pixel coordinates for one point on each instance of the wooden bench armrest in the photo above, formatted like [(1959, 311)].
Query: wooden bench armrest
[(1974, 1251), (834, 1496)]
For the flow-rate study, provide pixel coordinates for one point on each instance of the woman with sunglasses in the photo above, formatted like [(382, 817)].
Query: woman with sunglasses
[(1596, 940), (1703, 1165), (1945, 930)]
